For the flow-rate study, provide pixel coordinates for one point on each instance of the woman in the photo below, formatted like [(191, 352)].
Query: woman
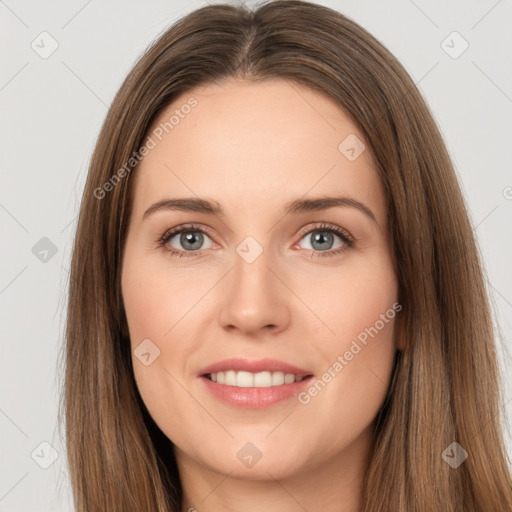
[(250, 370)]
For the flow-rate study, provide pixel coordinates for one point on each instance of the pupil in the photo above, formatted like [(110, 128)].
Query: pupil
[(321, 237), (187, 238)]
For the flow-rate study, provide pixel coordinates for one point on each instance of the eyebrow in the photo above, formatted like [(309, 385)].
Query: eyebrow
[(295, 207)]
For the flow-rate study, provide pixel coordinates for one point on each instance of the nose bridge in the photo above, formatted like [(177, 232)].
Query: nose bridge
[(251, 272), (255, 298)]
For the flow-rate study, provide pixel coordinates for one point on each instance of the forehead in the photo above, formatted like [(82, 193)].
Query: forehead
[(256, 145)]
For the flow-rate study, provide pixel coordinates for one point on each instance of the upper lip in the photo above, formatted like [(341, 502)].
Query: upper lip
[(253, 366)]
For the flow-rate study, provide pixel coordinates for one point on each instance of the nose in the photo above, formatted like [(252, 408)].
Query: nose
[(255, 299)]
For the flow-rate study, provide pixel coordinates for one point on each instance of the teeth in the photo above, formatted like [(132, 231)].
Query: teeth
[(254, 380), (242, 380), (289, 378), (277, 378)]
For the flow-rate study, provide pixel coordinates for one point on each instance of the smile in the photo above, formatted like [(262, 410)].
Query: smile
[(263, 379), (253, 384)]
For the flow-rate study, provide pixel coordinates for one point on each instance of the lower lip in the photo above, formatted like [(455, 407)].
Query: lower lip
[(255, 398)]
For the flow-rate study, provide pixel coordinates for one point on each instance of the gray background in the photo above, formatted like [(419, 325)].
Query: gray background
[(51, 112)]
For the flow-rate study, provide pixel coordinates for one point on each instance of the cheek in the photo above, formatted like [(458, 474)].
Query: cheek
[(159, 307), (345, 303), (153, 307), (359, 307), (154, 315), (157, 300), (352, 388)]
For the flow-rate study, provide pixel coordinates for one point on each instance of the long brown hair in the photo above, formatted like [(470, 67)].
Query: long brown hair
[(445, 385)]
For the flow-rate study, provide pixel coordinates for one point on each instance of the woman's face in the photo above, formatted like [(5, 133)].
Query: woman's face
[(287, 302)]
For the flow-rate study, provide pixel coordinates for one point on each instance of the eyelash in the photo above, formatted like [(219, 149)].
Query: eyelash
[(347, 239)]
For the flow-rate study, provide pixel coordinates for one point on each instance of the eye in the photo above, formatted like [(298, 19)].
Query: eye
[(322, 238), (184, 240), (188, 240)]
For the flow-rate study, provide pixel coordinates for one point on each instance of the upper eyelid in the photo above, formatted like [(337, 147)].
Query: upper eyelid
[(184, 227), (328, 227)]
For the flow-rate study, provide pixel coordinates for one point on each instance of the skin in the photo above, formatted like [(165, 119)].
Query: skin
[(252, 148)]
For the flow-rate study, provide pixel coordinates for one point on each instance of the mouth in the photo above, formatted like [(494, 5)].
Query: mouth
[(254, 384)]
